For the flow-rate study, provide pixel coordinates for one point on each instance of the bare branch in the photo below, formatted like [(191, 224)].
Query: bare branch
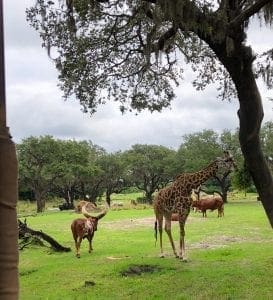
[(166, 36)]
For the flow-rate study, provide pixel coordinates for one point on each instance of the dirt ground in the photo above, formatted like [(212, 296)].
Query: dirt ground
[(210, 242)]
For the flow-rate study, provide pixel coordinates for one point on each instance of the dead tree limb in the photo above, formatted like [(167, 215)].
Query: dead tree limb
[(26, 232)]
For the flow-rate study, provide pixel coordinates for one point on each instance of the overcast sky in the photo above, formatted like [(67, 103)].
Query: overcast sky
[(35, 105)]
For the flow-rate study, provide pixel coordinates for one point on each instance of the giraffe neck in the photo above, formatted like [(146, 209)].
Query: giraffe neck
[(193, 180), (204, 174)]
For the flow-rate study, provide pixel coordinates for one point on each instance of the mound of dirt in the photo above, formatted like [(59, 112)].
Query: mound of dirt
[(139, 269)]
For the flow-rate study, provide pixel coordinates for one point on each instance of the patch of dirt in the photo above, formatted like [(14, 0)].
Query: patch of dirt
[(130, 223), (115, 258), (140, 222), (139, 269), (209, 242), (89, 283), (215, 242), (27, 272)]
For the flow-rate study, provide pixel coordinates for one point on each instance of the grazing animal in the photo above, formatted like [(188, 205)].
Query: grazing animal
[(176, 198), (210, 203), (81, 203), (85, 228)]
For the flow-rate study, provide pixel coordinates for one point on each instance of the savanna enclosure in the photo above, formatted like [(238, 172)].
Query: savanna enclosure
[(71, 170), (135, 53), (228, 257)]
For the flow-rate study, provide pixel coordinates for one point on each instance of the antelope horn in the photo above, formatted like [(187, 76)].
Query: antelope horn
[(94, 215)]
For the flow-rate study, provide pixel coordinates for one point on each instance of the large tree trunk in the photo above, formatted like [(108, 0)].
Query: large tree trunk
[(8, 219), (239, 65), (40, 199), (108, 196), (251, 116), (148, 196)]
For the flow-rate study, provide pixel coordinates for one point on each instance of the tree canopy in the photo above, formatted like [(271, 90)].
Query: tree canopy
[(70, 169), (150, 167), (207, 145), (134, 52), (38, 168)]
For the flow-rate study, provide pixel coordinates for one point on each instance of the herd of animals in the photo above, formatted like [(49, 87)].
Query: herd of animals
[(172, 203)]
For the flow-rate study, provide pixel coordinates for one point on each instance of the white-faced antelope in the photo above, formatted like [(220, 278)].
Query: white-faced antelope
[(85, 228)]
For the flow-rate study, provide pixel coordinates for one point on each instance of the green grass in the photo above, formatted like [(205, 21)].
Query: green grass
[(228, 258)]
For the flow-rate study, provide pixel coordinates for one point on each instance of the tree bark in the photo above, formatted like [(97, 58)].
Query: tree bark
[(108, 197), (8, 219), (250, 116), (148, 196), (24, 229), (39, 196), (239, 65)]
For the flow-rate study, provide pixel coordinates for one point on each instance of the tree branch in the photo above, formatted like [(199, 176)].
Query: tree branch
[(151, 1), (252, 10), (167, 35)]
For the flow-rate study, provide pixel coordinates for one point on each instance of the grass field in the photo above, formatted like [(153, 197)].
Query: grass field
[(228, 258)]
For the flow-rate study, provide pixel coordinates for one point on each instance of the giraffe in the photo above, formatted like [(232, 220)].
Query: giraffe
[(176, 198)]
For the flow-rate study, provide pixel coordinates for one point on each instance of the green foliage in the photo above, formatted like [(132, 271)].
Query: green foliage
[(129, 48), (38, 167), (58, 167), (133, 52), (150, 167), (124, 238), (204, 145), (242, 179), (114, 173), (74, 169), (207, 145), (267, 140), (76, 165)]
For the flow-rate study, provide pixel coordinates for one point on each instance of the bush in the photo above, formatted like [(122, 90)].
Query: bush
[(251, 189)]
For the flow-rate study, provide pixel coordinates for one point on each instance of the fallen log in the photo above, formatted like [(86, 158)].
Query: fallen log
[(26, 233)]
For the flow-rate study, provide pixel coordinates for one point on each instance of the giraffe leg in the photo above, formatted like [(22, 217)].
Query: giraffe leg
[(169, 233), (160, 225), (182, 221)]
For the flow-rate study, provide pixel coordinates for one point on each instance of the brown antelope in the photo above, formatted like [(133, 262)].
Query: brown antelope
[(210, 203), (85, 228)]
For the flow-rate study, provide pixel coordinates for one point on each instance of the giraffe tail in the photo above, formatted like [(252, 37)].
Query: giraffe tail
[(155, 235)]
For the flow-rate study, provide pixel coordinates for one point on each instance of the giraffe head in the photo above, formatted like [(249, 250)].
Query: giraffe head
[(226, 162)]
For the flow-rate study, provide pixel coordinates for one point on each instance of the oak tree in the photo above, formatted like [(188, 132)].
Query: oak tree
[(149, 167), (38, 166)]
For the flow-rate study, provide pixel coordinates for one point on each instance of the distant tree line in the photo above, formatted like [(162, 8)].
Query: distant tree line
[(71, 169)]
